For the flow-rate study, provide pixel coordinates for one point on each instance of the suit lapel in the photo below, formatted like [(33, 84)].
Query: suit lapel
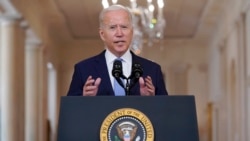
[(135, 89), (101, 67)]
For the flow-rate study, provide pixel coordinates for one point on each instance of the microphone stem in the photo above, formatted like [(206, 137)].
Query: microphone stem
[(127, 87)]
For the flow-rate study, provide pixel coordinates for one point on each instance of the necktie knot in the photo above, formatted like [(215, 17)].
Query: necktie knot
[(118, 59)]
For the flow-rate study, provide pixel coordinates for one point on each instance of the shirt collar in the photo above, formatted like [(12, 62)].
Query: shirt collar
[(126, 57)]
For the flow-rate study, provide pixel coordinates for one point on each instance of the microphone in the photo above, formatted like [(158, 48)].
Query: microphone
[(117, 71), (137, 71)]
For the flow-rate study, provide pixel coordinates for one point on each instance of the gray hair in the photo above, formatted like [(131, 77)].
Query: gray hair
[(114, 8)]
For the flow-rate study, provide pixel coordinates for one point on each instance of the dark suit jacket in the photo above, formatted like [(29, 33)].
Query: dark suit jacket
[(96, 67)]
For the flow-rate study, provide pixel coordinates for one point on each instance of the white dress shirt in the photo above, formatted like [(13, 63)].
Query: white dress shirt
[(126, 64)]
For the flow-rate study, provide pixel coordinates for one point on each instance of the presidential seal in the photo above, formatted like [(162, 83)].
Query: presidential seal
[(126, 124)]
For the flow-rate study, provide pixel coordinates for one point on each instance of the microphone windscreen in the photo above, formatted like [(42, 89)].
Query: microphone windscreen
[(117, 68), (137, 70)]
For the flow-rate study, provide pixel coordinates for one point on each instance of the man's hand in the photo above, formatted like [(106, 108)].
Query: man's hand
[(146, 86), (91, 86)]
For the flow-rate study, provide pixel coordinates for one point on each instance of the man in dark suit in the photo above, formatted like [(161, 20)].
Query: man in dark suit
[(93, 76)]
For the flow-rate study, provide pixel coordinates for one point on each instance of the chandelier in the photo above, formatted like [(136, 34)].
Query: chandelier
[(148, 28)]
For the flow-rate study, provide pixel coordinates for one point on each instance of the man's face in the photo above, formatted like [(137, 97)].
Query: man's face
[(117, 31)]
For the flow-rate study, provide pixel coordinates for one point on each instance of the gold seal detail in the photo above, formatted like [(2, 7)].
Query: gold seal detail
[(126, 124)]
